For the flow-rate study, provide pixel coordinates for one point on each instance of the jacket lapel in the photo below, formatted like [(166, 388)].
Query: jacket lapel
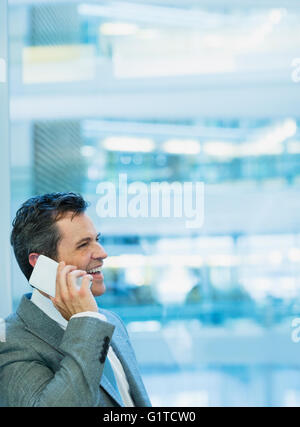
[(109, 388), (125, 354), (39, 324)]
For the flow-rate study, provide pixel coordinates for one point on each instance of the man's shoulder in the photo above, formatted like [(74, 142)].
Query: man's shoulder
[(14, 324), (15, 337), (17, 332), (114, 318), (110, 315)]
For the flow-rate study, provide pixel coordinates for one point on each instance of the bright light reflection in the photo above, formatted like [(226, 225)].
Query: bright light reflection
[(174, 285), (220, 149), (261, 287), (145, 326), (122, 143), (118, 29), (136, 260), (87, 151), (294, 255), (181, 146), (269, 143), (293, 147), (275, 257)]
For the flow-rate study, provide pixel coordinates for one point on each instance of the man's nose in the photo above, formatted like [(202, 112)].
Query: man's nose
[(99, 252)]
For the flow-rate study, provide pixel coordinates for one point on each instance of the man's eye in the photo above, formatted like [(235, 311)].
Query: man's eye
[(82, 245)]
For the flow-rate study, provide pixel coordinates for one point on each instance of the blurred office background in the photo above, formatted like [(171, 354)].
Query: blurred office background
[(175, 91)]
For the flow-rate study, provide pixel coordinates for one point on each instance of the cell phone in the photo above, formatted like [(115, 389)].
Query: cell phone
[(43, 276)]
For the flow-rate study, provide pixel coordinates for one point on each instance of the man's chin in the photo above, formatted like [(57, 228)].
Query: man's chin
[(98, 288)]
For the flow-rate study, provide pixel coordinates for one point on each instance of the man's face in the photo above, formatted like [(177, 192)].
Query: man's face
[(79, 246)]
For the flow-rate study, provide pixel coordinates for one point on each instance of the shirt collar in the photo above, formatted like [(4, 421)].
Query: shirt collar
[(45, 304)]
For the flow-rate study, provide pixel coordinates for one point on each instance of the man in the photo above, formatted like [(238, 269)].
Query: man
[(63, 351)]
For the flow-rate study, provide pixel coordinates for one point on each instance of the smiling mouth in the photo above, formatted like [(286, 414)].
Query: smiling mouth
[(94, 270)]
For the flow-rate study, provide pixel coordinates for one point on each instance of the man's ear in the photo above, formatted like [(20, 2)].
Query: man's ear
[(33, 257)]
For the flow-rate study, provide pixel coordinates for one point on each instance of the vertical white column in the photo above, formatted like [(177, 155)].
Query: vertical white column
[(5, 217)]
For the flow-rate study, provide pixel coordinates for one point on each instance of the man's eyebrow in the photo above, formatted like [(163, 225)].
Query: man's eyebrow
[(87, 239)]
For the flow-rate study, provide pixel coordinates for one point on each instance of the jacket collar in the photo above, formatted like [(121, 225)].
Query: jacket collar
[(45, 304), (39, 324)]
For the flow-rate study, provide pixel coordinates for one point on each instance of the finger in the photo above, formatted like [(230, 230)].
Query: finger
[(60, 267), (61, 280), (86, 282), (54, 301), (72, 279)]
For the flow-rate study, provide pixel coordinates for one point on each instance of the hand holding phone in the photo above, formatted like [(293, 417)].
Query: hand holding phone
[(43, 276), (67, 287)]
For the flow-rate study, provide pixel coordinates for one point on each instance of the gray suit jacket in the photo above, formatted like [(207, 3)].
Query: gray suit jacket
[(43, 365)]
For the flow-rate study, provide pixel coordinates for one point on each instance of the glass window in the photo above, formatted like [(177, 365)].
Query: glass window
[(134, 103)]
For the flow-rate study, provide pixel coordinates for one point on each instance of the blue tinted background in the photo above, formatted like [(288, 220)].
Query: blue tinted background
[(175, 91)]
